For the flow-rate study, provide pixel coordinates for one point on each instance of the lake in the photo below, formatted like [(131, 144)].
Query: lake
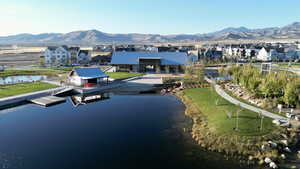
[(116, 132), (20, 79)]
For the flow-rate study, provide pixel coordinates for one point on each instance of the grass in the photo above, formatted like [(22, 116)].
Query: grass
[(12, 90), (33, 71), (123, 75), (293, 65), (218, 122), (247, 102)]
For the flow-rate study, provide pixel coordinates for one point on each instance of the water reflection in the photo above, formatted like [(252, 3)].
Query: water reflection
[(20, 79), (83, 99)]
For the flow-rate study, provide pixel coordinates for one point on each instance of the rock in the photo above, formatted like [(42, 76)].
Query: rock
[(273, 165), (272, 144), (285, 142), (263, 147), (268, 160), (286, 149)]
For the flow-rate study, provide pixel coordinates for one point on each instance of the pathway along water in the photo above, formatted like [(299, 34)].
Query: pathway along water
[(119, 132)]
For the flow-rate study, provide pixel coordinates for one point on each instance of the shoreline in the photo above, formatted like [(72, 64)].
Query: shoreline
[(246, 150)]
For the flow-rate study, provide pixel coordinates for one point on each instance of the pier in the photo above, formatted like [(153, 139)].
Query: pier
[(48, 100)]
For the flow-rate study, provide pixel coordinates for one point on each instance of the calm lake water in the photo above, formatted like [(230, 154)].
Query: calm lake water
[(20, 79), (122, 132)]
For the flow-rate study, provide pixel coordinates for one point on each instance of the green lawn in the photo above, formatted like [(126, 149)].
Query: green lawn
[(249, 124), (33, 71), (123, 75), (293, 65), (12, 90)]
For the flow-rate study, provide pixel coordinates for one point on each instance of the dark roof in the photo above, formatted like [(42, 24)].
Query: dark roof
[(74, 48), (52, 47), (167, 58), (86, 52)]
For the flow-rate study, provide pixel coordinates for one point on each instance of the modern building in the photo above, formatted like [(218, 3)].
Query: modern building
[(87, 77), (159, 62)]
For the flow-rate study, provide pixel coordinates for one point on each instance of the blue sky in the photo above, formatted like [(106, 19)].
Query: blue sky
[(141, 16)]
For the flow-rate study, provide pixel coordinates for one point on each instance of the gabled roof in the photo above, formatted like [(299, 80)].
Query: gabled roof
[(132, 58), (52, 48), (74, 48), (86, 52), (89, 73)]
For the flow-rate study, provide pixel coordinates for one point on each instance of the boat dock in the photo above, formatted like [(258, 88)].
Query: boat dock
[(48, 100)]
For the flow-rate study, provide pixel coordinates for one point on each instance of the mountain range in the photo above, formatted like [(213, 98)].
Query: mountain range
[(291, 31)]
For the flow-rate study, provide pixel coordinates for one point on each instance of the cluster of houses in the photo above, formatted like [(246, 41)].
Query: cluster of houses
[(64, 55), (143, 48), (260, 51), (135, 54)]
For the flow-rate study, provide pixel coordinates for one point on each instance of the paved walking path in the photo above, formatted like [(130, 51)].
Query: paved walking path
[(149, 79), (223, 94)]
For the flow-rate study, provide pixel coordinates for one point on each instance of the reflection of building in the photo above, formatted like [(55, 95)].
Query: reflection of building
[(85, 99), (166, 62), (87, 76)]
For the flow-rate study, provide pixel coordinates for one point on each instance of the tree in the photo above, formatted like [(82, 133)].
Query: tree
[(42, 62), (292, 93)]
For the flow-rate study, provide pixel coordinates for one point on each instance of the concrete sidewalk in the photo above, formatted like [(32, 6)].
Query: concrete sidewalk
[(223, 94)]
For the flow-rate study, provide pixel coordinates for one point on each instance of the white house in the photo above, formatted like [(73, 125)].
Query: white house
[(263, 55), (56, 55), (87, 76)]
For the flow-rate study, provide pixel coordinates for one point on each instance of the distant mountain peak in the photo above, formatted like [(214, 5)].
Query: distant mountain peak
[(94, 36)]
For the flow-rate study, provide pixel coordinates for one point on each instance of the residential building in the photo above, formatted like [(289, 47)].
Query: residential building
[(56, 55), (74, 51), (84, 57), (263, 55), (62, 55)]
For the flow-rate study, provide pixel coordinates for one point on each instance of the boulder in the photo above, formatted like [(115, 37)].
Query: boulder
[(273, 165), (268, 160), (286, 149)]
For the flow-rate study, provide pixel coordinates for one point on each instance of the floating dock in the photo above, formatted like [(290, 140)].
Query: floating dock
[(48, 100)]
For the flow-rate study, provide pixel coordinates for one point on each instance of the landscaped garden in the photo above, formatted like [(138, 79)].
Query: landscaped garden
[(274, 87), (222, 115)]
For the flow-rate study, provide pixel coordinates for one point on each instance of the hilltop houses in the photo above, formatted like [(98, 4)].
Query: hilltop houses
[(63, 55)]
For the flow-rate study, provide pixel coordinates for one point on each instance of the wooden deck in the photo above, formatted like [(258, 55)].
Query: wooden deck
[(48, 100)]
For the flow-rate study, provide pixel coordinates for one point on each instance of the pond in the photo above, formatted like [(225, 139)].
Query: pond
[(20, 79), (105, 131)]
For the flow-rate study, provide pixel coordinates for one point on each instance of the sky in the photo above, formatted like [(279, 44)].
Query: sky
[(143, 16)]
